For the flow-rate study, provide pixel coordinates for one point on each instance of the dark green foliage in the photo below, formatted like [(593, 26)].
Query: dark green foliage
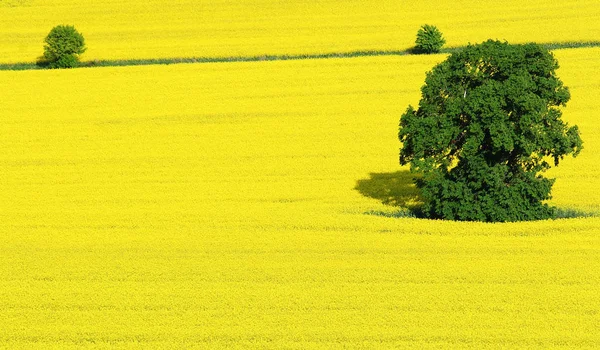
[(429, 40), (487, 125), (63, 45), (66, 61)]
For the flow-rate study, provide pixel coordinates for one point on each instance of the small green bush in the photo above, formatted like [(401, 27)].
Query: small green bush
[(63, 46), (429, 40)]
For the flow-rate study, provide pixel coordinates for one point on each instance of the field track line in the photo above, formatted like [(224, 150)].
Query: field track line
[(166, 61)]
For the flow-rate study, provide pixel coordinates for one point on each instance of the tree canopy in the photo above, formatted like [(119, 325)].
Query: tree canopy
[(488, 124), (429, 39), (63, 46)]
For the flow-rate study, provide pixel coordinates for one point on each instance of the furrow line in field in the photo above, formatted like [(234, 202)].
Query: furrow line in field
[(350, 54)]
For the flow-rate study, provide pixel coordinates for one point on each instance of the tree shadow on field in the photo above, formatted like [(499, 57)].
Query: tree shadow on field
[(395, 189), (398, 190)]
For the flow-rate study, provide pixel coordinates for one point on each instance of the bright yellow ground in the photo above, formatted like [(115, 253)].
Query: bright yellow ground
[(220, 205), (123, 29)]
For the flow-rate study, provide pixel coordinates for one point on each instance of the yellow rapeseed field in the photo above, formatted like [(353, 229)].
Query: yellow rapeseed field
[(232, 205), (126, 29)]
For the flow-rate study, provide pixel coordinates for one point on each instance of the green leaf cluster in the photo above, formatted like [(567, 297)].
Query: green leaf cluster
[(429, 40), (63, 46), (488, 124)]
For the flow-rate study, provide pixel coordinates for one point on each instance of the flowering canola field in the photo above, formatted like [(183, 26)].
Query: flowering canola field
[(135, 29), (241, 205)]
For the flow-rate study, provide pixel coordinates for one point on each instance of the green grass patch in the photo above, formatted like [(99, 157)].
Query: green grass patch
[(570, 213), (166, 61)]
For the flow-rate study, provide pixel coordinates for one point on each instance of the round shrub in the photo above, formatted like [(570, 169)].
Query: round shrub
[(429, 40), (63, 46)]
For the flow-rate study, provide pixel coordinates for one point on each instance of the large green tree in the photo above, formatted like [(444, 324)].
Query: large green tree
[(488, 124)]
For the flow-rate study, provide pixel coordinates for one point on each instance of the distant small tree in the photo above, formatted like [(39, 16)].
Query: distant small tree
[(487, 124), (63, 46), (429, 40)]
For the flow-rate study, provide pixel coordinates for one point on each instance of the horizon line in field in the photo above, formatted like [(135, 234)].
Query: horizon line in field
[(261, 58)]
